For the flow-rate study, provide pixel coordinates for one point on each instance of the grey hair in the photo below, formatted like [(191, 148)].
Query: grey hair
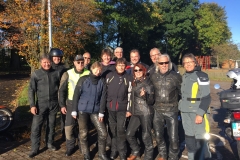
[(44, 56), (191, 56), (118, 48), (155, 49), (169, 59)]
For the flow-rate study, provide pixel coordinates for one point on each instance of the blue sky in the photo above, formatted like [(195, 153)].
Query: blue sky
[(233, 16)]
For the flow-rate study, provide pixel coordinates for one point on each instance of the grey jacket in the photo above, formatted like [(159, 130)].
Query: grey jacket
[(195, 92)]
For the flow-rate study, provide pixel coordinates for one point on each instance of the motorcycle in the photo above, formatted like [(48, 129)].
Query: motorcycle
[(6, 118), (230, 100)]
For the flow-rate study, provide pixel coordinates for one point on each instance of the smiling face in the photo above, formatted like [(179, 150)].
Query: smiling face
[(154, 54), (163, 64), (56, 60), (96, 71), (118, 53), (120, 68), (79, 65), (138, 72), (189, 64), (106, 59), (45, 64), (134, 57)]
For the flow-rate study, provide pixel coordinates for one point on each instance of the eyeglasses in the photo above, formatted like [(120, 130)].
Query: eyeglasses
[(138, 70), (86, 58), (80, 62), (155, 55), (189, 62), (161, 63)]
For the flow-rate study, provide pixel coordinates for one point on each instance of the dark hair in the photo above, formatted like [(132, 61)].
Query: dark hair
[(107, 52), (121, 61), (144, 70), (191, 56), (44, 56), (135, 51)]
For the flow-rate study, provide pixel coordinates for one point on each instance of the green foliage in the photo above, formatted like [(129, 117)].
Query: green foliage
[(211, 26), (127, 23)]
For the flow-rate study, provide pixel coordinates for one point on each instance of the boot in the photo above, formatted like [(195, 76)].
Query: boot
[(51, 147), (101, 151), (32, 154), (103, 157), (114, 154), (132, 157), (86, 157)]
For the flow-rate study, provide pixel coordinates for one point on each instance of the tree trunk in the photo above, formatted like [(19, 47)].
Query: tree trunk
[(217, 62)]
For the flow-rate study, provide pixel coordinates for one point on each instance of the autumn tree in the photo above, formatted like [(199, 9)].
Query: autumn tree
[(72, 26), (211, 27)]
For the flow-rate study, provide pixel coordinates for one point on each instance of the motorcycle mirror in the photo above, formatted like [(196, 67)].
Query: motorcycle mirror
[(217, 86)]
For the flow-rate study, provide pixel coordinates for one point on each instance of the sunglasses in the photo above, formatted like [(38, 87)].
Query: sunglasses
[(138, 70), (80, 62), (86, 58), (161, 63)]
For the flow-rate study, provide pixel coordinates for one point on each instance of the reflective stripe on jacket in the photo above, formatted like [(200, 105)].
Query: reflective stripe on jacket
[(195, 93), (73, 79)]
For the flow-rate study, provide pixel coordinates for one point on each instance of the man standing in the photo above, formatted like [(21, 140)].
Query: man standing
[(167, 84), (154, 54), (66, 91), (135, 59), (118, 87), (87, 60), (43, 99), (56, 56)]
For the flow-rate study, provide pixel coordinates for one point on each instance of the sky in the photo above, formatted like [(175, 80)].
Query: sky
[(233, 16)]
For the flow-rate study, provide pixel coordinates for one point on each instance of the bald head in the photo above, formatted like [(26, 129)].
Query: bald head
[(87, 58)]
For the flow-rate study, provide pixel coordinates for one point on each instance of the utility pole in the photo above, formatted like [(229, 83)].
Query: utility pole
[(50, 24)]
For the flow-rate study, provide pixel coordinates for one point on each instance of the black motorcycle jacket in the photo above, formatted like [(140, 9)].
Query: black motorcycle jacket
[(142, 105), (44, 85), (167, 89), (59, 67)]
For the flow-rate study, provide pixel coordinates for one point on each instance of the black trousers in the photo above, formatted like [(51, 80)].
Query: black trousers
[(171, 119), (146, 123), (46, 111), (83, 132), (117, 125)]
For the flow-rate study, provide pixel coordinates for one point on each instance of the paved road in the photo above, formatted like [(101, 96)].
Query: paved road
[(220, 146)]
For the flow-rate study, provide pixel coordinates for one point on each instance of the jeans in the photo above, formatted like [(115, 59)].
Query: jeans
[(44, 111)]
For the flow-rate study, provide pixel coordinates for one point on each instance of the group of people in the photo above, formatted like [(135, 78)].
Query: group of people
[(113, 91)]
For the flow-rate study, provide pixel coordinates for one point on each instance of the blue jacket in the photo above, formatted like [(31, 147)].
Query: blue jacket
[(89, 97)]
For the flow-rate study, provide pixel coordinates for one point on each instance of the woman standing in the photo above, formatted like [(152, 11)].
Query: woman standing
[(142, 97), (107, 64), (193, 106), (89, 101)]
